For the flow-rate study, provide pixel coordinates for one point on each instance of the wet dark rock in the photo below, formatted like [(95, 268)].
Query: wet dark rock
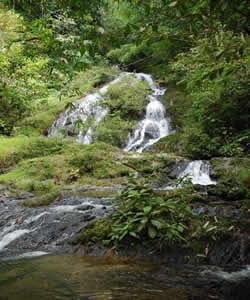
[(24, 195), (238, 290), (47, 228), (88, 217), (234, 249), (218, 211), (85, 207), (178, 168)]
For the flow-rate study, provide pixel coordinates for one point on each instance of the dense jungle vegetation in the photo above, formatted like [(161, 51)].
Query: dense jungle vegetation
[(199, 49), (52, 52)]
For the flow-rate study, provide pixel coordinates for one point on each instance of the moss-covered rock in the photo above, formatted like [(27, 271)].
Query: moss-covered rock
[(169, 144), (126, 101), (58, 165), (233, 176), (45, 111), (178, 104), (15, 149)]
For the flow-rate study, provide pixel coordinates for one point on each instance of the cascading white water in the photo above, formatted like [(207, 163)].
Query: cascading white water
[(231, 276), (85, 108), (8, 238), (45, 229), (199, 172), (155, 125), (148, 131)]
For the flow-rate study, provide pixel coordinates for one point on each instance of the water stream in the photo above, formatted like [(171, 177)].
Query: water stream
[(83, 110), (109, 278), (155, 124), (199, 172), (148, 131), (32, 231)]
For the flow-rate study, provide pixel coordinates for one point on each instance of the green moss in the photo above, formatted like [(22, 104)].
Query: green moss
[(178, 104), (98, 160), (150, 166), (66, 164), (13, 150), (128, 97), (40, 175), (95, 232), (45, 112), (42, 200), (234, 177), (98, 193), (114, 130), (169, 144), (126, 102)]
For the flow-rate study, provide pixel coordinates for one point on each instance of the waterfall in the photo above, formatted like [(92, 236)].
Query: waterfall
[(199, 172), (83, 109), (153, 127)]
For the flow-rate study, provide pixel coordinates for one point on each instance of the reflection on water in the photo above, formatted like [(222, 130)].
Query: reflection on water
[(76, 278)]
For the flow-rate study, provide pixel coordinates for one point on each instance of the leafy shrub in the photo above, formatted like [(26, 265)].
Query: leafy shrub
[(144, 214)]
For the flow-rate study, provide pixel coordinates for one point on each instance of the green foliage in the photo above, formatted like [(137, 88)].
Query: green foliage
[(234, 175), (216, 74), (22, 78), (98, 160), (13, 150), (143, 214), (129, 97), (43, 200), (126, 101)]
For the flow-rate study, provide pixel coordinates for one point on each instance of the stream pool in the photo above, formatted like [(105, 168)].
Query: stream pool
[(73, 277)]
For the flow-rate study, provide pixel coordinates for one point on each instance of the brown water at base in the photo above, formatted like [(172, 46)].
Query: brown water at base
[(81, 278)]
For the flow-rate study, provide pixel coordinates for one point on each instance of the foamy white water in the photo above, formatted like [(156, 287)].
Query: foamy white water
[(86, 109), (10, 237), (155, 125), (199, 172), (33, 219), (231, 276)]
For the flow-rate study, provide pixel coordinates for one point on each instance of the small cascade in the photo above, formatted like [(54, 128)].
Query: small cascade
[(155, 125), (199, 172), (231, 276), (86, 109), (29, 232), (9, 237)]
